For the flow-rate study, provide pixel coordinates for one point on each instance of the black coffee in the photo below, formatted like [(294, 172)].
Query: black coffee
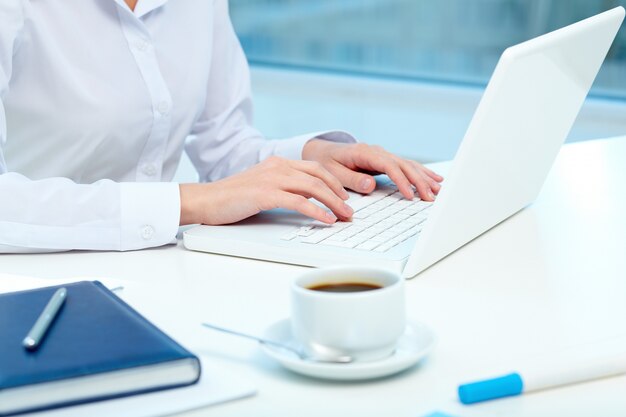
[(346, 287)]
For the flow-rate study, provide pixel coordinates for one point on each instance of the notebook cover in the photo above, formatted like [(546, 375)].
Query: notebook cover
[(94, 332)]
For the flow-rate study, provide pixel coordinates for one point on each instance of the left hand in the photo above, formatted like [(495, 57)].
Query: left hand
[(354, 164)]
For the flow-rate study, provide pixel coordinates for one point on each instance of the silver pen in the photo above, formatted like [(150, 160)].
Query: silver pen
[(35, 336)]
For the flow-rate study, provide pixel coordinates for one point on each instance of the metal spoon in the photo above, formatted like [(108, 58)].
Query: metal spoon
[(322, 353)]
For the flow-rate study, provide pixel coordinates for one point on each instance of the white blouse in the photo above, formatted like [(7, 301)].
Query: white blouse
[(98, 103)]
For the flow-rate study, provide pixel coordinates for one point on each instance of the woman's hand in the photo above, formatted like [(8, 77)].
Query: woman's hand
[(353, 164), (281, 183), (274, 183)]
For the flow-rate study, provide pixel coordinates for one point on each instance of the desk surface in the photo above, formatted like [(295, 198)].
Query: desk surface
[(550, 279)]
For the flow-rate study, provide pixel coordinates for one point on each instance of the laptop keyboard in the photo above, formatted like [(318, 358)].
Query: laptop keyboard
[(381, 220)]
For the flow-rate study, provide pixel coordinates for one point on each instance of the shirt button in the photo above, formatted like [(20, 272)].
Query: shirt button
[(142, 46), (149, 170), (163, 107), (147, 232)]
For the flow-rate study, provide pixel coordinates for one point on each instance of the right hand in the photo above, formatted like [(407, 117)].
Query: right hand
[(273, 183)]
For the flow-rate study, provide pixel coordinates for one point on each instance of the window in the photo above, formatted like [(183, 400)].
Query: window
[(444, 40)]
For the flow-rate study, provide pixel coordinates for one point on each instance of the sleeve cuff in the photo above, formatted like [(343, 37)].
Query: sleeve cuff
[(150, 214), (292, 148)]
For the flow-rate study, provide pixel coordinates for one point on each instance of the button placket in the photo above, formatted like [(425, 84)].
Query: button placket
[(143, 50)]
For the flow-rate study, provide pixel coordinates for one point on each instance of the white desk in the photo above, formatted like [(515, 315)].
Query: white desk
[(551, 277)]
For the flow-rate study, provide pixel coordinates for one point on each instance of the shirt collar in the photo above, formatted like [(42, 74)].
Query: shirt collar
[(143, 6)]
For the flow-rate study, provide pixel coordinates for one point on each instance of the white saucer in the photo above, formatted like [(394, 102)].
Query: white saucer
[(413, 345)]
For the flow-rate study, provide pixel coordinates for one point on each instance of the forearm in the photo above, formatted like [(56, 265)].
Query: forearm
[(57, 214)]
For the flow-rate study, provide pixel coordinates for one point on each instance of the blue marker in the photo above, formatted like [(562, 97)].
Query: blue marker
[(489, 389), (549, 375)]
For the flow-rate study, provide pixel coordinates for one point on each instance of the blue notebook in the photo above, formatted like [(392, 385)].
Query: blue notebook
[(97, 348)]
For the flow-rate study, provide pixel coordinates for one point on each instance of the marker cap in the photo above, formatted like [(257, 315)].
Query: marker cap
[(490, 389)]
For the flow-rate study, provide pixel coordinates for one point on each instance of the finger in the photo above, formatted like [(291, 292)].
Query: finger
[(433, 179), (377, 160), (356, 181), (392, 168), (316, 169), (300, 204), (309, 186), (427, 171), (433, 175), (423, 184), (434, 185)]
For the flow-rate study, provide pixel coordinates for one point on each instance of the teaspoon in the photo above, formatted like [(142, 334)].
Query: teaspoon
[(322, 353)]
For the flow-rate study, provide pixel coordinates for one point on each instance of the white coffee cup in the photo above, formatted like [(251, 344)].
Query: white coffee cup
[(363, 324)]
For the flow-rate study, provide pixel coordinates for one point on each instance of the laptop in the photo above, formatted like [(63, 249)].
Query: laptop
[(523, 118)]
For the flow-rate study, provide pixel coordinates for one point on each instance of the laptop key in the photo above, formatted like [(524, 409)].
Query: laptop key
[(368, 245), (382, 248), (289, 236), (369, 199), (320, 235), (345, 244), (306, 231)]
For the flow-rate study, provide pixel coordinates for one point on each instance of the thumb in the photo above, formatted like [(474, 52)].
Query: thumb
[(356, 181)]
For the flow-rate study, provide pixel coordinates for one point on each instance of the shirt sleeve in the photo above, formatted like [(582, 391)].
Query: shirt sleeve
[(56, 214), (223, 141)]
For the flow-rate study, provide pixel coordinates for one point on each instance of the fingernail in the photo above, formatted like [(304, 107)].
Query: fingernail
[(344, 194), (347, 209), (366, 183), (331, 217), (431, 195)]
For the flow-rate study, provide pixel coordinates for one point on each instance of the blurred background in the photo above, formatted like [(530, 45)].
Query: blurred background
[(446, 40), (405, 74)]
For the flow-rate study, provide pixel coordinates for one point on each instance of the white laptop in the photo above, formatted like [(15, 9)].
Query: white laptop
[(524, 116)]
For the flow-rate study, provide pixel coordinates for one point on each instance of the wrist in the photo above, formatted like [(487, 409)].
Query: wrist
[(311, 148), (190, 204)]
